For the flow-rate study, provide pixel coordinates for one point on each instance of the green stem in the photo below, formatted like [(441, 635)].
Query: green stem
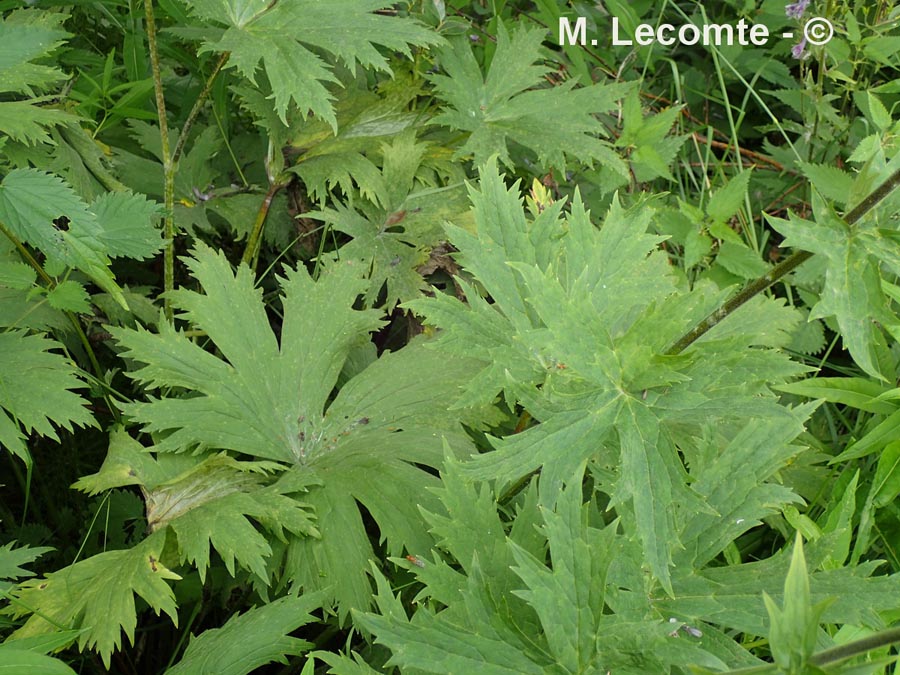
[(780, 270), (168, 164), (253, 240), (198, 105), (834, 654)]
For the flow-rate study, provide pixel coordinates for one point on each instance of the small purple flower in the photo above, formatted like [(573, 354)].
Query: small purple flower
[(799, 50), (795, 10)]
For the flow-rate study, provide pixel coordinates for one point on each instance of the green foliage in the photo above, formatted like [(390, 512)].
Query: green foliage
[(27, 36), (253, 639), (98, 595), (276, 34), (577, 333), (271, 400), (422, 426), (36, 389), (504, 105)]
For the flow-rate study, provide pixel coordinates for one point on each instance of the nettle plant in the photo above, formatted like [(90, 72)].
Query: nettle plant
[(564, 474)]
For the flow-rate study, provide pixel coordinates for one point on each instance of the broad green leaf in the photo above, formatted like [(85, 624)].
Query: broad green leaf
[(272, 399), (833, 183), (27, 35), (250, 640), (13, 660), (728, 200), (731, 596), (69, 296), (264, 400), (739, 479), (17, 275), (740, 260), (128, 225), (577, 333), (569, 598), (98, 594), (382, 421), (473, 620), (436, 645), (645, 479), (27, 122), (36, 389), (505, 104)]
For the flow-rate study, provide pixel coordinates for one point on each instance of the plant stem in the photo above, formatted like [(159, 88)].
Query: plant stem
[(198, 104), (834, 654), (256, 233), (780, 270), (168, 164)]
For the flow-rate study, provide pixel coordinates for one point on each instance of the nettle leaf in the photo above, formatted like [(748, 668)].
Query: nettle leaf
[(577, 333), (833, 183), (42, 210), (36, 389), (504, 104), (652, 149), (278, 34), (128, 225), (250, 640), (97, 594), (69, 296), (27, 123), (270, 400)]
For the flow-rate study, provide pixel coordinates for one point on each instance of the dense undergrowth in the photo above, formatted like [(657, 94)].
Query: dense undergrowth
[(355, 337)]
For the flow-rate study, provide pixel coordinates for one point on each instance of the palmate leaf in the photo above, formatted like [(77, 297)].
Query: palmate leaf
[(25, 36), (205, 501), (98, 595), (552, 619), (577, 333), (366, 121), (505, 105), (277, 33), (36, 390), (270, 401), (253, 639), (394, 239)]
